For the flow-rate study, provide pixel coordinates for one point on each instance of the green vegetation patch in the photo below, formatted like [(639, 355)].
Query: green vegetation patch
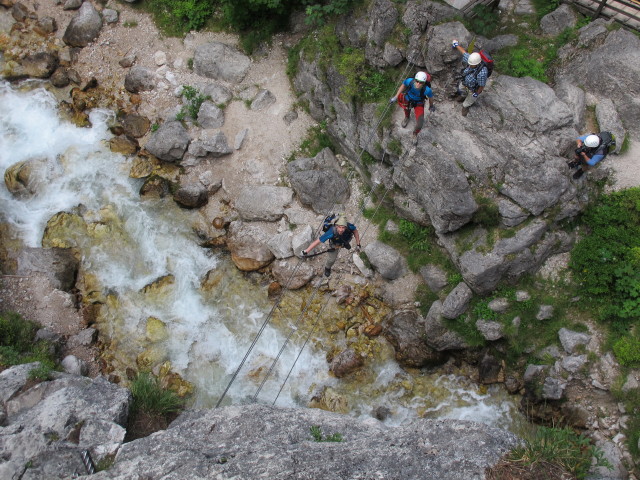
[(194, 99), (318, 436), (17, 345), (562, 447), (606, 261)]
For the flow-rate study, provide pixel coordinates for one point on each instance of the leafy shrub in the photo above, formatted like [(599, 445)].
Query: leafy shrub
[(177, 17), (627, 350), (17, 344), (149, 396), (560, 446), (194, 101), (604, 262), (318, 13), (485, 20), (487, 214), (519, 61)]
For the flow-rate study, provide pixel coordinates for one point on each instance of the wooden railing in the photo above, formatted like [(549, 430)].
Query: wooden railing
[(626, 12)]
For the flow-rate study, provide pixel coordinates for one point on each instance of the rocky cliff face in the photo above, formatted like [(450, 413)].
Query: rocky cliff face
[(508, 154), (46, 426)]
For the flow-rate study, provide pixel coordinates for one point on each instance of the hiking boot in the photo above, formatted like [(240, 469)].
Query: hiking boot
[(327, 271), (405, 122), (414, 140), (465, 111), (460, 99), (573, 164), (578, 174)]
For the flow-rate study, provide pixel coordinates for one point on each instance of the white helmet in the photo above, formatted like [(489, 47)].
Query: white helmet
[(592, 141), (341, 222), (421, 77), (474, 58)]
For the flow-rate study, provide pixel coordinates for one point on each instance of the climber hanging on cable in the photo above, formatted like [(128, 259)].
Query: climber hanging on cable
[(412, 94), (339, 235)]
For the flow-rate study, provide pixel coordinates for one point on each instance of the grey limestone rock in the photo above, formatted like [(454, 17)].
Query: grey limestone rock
[(84, 27), (210, 142), (210, 116), (609, 120), (346, 362), (40, 65), (263, 202), (241, 136), (392, 54), (555, 22), (545, 312), (169, 142), (318, 181), (570, 339), (223, 443), (386, 260), (59, 265), (437, 335), (404, 329), (247, 243), (457, 301), (280, 245), (139, 79), (292, 274), (434, 276), (262, 100), (490, 330), (220, 61), (74, 365), (109, 15), (615, 62), (553, 388), (192, 195), (301, 239)]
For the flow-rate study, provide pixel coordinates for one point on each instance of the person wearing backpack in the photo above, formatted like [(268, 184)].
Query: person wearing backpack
[(412, 94), (339, 236), (474, 76), (592, 148)]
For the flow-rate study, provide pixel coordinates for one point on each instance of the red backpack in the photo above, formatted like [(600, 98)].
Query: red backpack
[(487, 61)]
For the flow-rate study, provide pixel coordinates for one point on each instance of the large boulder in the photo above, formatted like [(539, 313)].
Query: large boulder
[(84, 27), (169, 142), (616, 65), (223, 443), (40, 65), (386, 260), (221, 62), (405, 331), (437, 335), (557, 21), (318, 181), (49, 423), (248, 246), (263, 202), (139, 79), (292, 274), (59, 265), (211, 143)]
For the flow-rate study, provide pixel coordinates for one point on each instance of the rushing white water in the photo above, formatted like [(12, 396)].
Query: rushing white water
[(208, 332)]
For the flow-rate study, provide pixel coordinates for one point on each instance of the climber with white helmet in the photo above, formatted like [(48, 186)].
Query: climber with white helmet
[(474, 77), (339, 235), (412, 94), (592, 148)]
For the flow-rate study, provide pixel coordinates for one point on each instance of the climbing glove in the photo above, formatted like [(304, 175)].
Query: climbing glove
[(432, 108), (393, 100), (475, 94), (454, 44)]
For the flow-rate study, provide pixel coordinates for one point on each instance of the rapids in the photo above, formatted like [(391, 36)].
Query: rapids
[(147, 268)]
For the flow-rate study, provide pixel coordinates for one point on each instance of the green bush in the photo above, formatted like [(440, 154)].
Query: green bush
[(178, 17), (560, 446), (520, 61), (149, 396), (17, 345), (485, 21), (627, 350), (195, 99), (605, 261), (488, 214)]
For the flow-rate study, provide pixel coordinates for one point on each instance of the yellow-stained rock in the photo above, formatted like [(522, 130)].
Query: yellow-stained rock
[(64, 230), (149, 358), (156, 330), (330, 400)]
